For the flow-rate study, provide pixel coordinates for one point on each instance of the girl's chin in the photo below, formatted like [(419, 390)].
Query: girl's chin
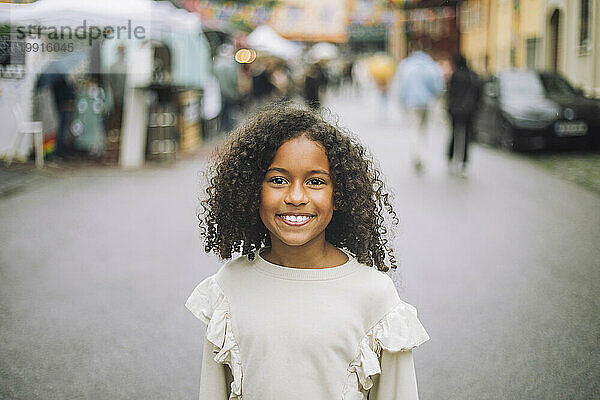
[(294, 240)]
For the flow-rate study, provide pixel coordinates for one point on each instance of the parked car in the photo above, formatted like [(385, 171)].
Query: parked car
[(530, 110)]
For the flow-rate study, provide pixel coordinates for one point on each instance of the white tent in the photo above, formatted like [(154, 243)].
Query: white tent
[(165, 16), (265, 39), (324, 51), (177, 28), (148, 14), (74, 13)]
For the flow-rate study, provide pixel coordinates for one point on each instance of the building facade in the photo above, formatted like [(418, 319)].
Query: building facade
[(552, 35), (572, 45)]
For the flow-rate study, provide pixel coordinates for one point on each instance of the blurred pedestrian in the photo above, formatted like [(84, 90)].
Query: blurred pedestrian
[(315, 82), (381, 67), (446, 68), (347, 75), (261, 80), (227, 73), (464, 92), (299, 305), (271, 80), (64, 98), (418, 81), (360, 74)]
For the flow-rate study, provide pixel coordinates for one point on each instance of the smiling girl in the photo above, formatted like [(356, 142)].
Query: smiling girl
[(307, 311)]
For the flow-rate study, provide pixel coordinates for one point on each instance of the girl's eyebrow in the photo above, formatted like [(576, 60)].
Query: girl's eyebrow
[(285, 171)]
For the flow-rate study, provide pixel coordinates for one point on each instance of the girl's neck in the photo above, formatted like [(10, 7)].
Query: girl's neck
[(309, 255)]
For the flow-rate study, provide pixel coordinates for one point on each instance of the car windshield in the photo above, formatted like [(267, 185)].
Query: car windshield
[(520, 84), (554, 84)]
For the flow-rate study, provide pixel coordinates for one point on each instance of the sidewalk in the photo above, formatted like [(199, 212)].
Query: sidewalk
[(17, 177), (582, 168)]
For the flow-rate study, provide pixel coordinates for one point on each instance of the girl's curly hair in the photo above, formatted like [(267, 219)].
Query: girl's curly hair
[(230, 220)]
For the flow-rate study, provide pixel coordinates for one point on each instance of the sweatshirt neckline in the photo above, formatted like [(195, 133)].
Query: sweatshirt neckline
[(305, 274)]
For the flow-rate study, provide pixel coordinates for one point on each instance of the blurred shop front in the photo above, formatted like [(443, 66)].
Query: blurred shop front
[(137, 71), (396, 26), (167, 75), (432, 20), (366, 26), (370, 27)]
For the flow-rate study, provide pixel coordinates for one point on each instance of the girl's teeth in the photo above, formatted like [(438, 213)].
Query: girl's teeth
[(296, 218)]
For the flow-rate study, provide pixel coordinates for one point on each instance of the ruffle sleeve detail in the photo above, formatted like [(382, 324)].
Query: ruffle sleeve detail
[(399, 330), (209, 304)]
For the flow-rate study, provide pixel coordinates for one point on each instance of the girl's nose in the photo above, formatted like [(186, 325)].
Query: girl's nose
[(296, 194)]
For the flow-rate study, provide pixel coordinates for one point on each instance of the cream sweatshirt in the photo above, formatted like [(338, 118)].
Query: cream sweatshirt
[(278, 333)]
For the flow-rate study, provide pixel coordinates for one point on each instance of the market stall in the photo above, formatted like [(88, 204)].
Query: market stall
[(167, 61)]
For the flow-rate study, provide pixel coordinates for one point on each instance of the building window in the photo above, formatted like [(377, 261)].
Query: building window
[(584, 26), (532, 45)]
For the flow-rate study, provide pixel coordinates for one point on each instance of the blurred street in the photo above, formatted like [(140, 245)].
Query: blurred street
[(503, 266)]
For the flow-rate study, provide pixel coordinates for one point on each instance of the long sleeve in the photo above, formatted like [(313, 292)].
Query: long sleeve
[(221, 365), (215, 378), (397, 380)]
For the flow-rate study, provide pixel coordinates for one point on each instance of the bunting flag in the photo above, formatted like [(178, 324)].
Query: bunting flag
[(366, 13), (230, 11)]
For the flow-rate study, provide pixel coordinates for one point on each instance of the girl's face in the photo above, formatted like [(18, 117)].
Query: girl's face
[(297, 194)]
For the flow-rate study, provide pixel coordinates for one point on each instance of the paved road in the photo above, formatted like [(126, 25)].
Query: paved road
[(503, 266)]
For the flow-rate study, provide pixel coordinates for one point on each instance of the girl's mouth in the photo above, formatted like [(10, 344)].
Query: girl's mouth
[(295, 219)]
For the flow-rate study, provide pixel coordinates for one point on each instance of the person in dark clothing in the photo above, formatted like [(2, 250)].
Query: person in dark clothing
[(464, 92), (227, 72), (261, 84), (314, 83), (64, 97), (270, 81)]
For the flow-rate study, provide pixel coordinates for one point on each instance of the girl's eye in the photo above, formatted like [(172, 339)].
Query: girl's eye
[(278, 180), (316, 181)]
